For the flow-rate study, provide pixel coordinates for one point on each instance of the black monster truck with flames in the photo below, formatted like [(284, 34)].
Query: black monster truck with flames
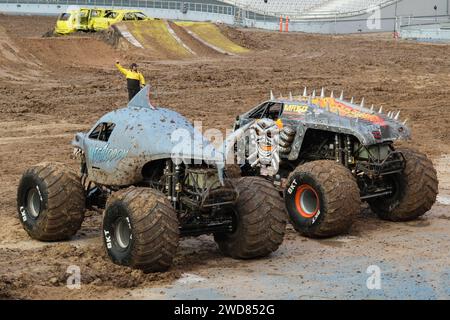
[(328, 155)]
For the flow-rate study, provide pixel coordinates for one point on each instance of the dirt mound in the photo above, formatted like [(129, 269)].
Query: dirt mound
[(48, 266), (71, 51), (27, 26), (243, 38), (16, 64)]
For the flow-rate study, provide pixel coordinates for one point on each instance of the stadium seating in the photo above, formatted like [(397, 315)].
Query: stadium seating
[(306, 7), (345, 6), (277, 6)]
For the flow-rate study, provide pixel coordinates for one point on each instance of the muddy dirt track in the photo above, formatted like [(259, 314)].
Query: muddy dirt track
[(51, 88)]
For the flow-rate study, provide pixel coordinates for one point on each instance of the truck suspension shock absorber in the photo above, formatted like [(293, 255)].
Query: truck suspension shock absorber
[(337, 148), (348, 150)]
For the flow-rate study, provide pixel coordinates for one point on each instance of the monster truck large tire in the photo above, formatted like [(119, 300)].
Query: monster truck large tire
[(50, 202), (415, 190), (233, 171), (140, 229), (260, 221), (322, 199)]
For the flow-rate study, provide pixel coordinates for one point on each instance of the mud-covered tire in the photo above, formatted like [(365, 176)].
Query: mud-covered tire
[(415, 190), (322, 198), (50, 202), (260, 221), (140, 229), (233, 171)]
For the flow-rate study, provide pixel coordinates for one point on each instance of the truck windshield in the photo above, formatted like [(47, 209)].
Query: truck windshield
[(111, 15), (140, 16), (64, 17)]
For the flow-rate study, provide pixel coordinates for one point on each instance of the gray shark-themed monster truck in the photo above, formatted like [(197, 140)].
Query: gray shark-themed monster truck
[(328, 155), (148, 169)]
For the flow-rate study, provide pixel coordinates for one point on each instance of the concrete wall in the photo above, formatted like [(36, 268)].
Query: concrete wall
[(51, 9), (431, 32), (422, 7)]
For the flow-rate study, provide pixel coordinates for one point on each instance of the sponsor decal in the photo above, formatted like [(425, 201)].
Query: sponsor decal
[(292, 186), (314, 219), (106, 154), (39, 191), (295, 108), (333, 106), (23, 214), (107, 239)]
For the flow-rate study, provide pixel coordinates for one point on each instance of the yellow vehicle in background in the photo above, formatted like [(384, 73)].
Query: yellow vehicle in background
[(88, 19), (78, 19), (115, 16), (96, 14)]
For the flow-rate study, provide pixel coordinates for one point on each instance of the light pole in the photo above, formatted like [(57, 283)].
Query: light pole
[(395, 20)]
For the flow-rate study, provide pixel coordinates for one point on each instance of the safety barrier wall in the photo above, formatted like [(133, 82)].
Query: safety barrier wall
[(425, 29), (41, 7), (201, 6), (343, 26), (426, 34)]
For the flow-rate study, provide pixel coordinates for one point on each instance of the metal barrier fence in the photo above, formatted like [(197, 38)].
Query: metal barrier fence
[(169, 5), (436, 28), (403, 21)]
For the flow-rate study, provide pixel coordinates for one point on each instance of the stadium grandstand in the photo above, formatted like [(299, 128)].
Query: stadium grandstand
[(323, 8), (300, 8)]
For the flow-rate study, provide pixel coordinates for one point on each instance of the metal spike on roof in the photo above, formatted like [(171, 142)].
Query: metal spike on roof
[(272, 97), (314, 94), (332, 95), (322, 93), (342, 95), (362, 103), (397, 116), (381, 110), (305, 92)]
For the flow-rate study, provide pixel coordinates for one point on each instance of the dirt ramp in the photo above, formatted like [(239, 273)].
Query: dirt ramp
[(211, 36), (154, 36), (172, 40), (16, 65)]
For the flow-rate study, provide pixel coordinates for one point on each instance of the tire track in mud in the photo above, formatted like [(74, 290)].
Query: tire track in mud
[(442, 165), (174, 35), (8, 140)]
